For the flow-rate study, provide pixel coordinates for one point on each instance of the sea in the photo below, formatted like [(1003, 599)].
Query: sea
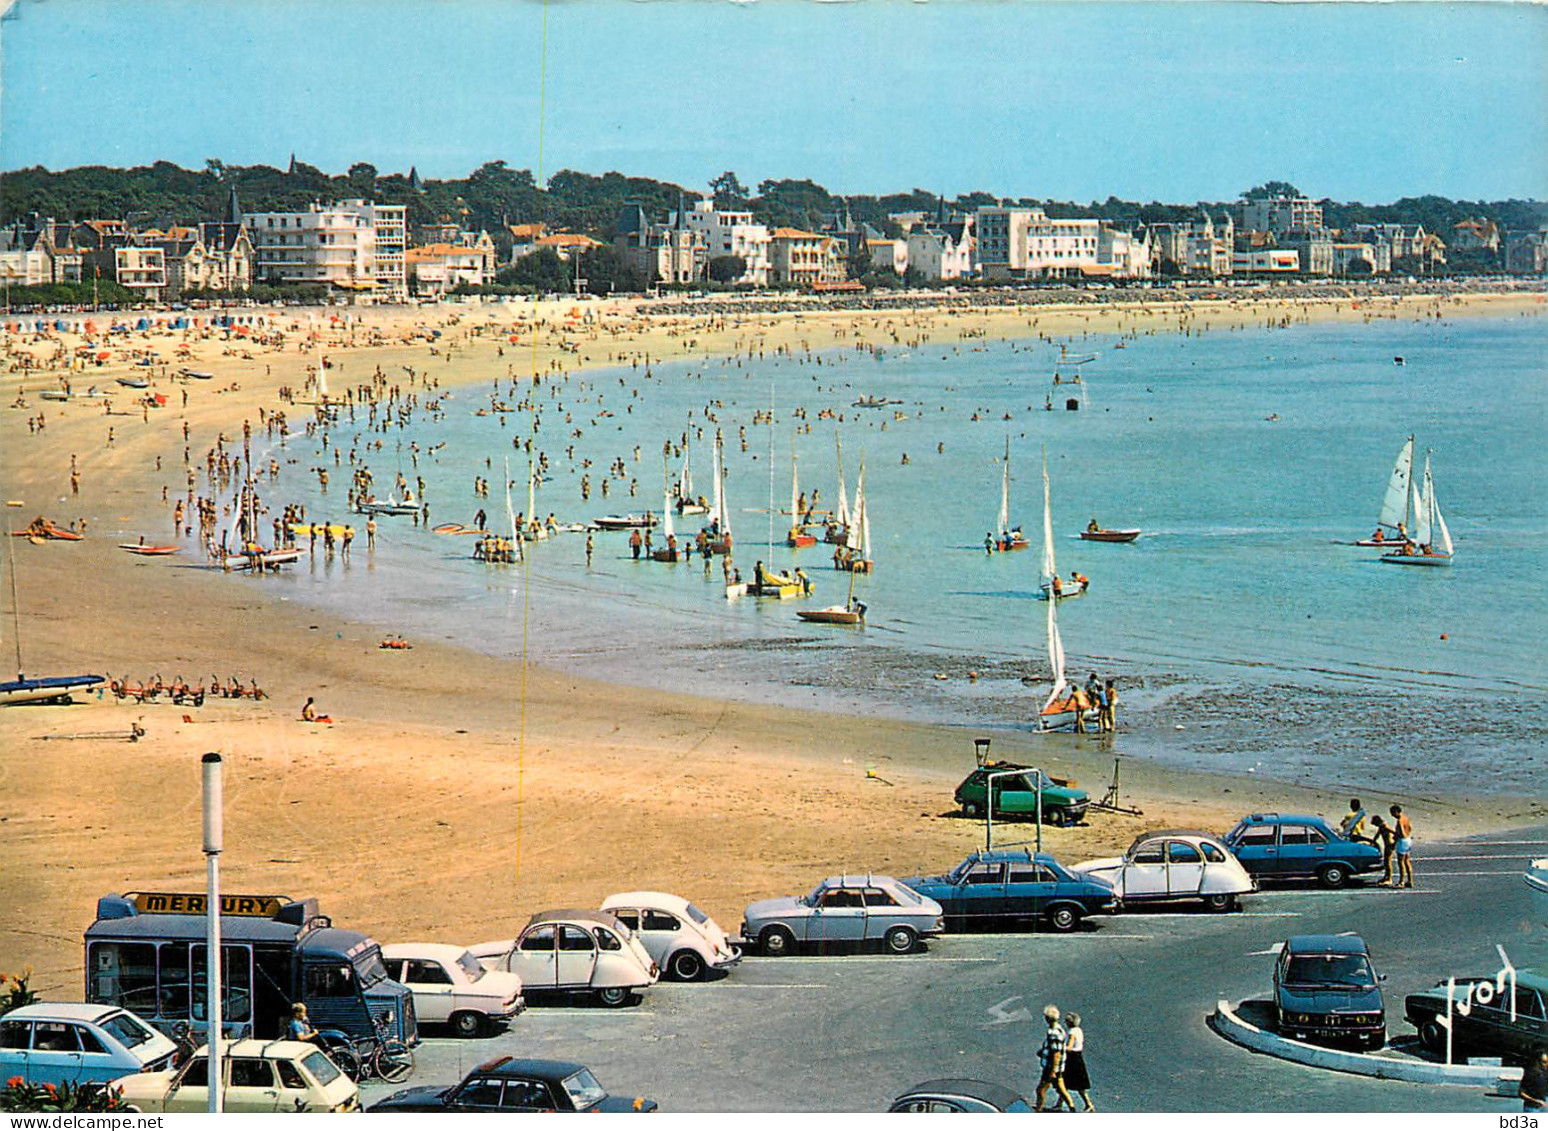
[(1244, 631)]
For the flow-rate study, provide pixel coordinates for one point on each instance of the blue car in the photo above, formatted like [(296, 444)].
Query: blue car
[(1326, 991), (1016, 887), (1279, 846)]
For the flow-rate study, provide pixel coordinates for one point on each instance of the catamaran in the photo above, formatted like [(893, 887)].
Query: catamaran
[(1429, 542), (1392, 522), (1064, 703), (1008, 537)]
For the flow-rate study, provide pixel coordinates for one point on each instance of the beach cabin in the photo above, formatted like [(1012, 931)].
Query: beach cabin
[(146, 953)]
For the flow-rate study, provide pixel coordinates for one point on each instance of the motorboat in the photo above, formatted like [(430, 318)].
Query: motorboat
[(1101, 534), (625, 521)]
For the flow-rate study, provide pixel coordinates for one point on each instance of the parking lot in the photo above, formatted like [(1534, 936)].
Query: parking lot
[(849, 1032)]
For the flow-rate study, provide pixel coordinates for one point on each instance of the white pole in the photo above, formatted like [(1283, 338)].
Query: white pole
[(212, 848)]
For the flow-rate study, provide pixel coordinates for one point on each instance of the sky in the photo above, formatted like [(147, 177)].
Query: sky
[(1175, 102)]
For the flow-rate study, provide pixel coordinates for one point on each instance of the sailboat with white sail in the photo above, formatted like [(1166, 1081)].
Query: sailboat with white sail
[(798, 536), (37, 689), (1064, 703), (1051, 586), (855, 554), (1429, 541), (686, 502), (1392, 522), (767, 581), (1007, 537), (837, 530)]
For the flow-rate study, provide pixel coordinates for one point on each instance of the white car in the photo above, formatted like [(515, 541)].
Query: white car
[(574, 951), (260, 1075), (1173, 865), (683, 941), (451, 987), (69, 1043)]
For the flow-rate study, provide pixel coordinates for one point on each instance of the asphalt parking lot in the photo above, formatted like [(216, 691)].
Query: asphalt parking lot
[(850, 1032)]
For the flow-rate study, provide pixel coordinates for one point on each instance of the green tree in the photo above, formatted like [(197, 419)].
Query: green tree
[(362, 179), (542, 270), (607, 271), (1270, 189), (728, 191), (726, 268)]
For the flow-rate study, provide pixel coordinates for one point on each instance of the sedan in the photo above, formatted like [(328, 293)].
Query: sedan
[(1512, 1024), (575, 951), (68, 1043), (451, 987), (1173, 865), (1014, 886), (509, 1084), (844, 909)]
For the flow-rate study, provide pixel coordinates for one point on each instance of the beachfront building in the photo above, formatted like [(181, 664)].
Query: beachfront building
[(1361, 258), (1314, 248), (143, 269), (437, 268), (356, 246), (1026, 243), (1196, 247), (1526, 252), (1266, 260), (35, 251), (182, 252), (804, 259), (1281, 214), (939, 252), (888, 255), (1475, 235), (567, 245), (228, 256), (663, 253), (735, 233)]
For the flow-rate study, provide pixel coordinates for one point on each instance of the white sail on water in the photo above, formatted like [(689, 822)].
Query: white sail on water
[(1003, 523), (531, 492), (510, 511), (667, 529), (1055, 644), (842, 515), (858, 535), (1420, 501), (1050, 571), (685, 480), (1394, 502), (865, 532), (795, 489)]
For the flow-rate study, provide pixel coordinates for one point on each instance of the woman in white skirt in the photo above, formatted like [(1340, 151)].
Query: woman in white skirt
[(1076, 1078)]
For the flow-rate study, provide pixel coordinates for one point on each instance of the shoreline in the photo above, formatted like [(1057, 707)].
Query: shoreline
[(415, 787)]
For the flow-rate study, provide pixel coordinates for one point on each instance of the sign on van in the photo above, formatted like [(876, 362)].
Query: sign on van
[(192, 903)]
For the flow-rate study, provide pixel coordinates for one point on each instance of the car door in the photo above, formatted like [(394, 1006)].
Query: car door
[(980, 892), (1301, 850), (1257, 848), (522, 1094), (839, 916), (1530, 1030), (432, 988), (56, 1053), (1029, 887), (657, 931), (1144, 872), (478, 1093), (1013, 795), (102, 1059), (536, 958), (1184, 869), (295, 1094), (251, 1085), (577, 957), (190, 1088), (16, 1049)]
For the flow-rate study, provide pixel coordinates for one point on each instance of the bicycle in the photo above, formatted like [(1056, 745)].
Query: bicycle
[(365, 1058)]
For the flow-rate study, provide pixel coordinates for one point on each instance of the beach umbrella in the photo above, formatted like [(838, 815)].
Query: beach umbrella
[(142, 324)]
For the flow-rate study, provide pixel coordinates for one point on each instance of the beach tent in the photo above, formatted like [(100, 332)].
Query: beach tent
[(142, 324)]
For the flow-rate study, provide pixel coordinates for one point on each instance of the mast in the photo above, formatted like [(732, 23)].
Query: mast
[(1055, 644), (1004, 520), (1394, 502), (795, 488), (771, 476), (1423, 508), (666, 498), (863, 516), (1049, 569)]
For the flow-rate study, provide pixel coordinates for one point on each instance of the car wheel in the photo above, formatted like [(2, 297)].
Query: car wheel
[(1064, 918), (972, 809), (901, 940), (1377, 1041), (1333, 875), (614, 996), (686, 966), (1432, 1034), (776, 942), (1219, 902), (467, 1024)]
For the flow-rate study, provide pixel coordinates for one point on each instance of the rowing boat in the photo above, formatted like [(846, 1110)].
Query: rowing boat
[(1104, 535), (149, 551)]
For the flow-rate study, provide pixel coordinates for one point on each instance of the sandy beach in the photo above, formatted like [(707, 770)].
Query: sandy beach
[(455, 793)]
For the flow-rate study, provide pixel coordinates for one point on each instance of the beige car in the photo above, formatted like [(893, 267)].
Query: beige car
[(260, 1075)]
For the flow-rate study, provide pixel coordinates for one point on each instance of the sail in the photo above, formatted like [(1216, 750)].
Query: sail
[(1442, 535), (685, 480), (1393, 503), (1003, 525), (667, 530), (1049, 569), (860, 539), (531, 492), (1055, 656), (717, 504), (1421, 532), (795, 490), (510, 511), (865, 532), (842, 515)]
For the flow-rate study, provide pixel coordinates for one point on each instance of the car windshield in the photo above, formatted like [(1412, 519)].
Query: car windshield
[(322, 1069), (370, 969), (696, 915), (584, 1090), (816, 893), (471, 966), (1338, 970), (126, 1030), (1235, 834)]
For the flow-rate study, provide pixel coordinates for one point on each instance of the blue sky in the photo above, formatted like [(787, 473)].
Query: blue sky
[(1174, 102)]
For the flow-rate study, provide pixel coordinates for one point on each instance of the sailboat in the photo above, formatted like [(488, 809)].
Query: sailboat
[(1392, 522), (798, 537), (1429, 543), (1006, 536), (855, 554), (851, 612), (1064, 702), (1070, 390), (687, 502), (767, 582), (43, 689), (837, 530), (1051, 585), (668, 551)]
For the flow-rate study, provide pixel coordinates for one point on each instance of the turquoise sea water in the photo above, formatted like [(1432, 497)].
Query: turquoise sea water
[(1243, 636)]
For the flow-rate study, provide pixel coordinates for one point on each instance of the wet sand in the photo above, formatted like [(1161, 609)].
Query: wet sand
[(456, 793)]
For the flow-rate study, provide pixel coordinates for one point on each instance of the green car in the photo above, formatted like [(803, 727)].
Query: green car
[(1015, 796)]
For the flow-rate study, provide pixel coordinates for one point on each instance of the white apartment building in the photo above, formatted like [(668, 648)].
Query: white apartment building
[(1281, 214), (1266, 261), (141, 269), (1025, 243), (356, 246), (733, 233), (889, 255)]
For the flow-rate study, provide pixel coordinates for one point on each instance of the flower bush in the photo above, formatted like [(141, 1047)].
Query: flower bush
[(20, 1096), (14, 992)]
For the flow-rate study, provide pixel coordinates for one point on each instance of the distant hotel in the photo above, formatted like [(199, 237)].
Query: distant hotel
[(356, 246)]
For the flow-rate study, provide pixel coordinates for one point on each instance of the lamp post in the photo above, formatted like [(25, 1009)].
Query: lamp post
[(212, 847)]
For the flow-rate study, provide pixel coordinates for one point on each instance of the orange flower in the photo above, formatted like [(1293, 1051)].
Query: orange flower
[(15, 1082)]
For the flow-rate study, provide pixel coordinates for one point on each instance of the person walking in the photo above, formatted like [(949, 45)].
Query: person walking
[(589, 546), (1076, 1078), (634, 543), (1402, 847), (1107, 716), (1052, 1056), (370, 533)]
